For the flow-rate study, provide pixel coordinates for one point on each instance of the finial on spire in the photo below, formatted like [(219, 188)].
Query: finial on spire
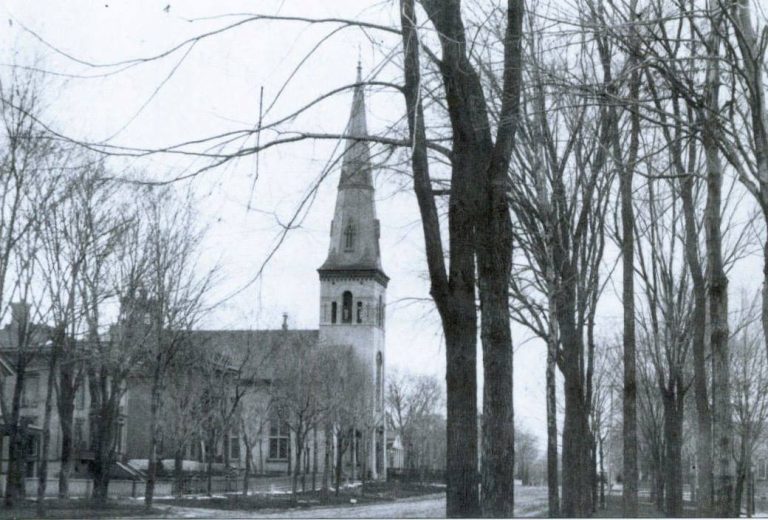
[(359, 65)]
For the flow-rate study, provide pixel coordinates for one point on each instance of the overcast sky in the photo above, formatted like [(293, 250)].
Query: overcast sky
[(214, 88)]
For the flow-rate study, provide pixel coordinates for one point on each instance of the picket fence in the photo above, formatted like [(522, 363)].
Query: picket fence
[(82, 488)]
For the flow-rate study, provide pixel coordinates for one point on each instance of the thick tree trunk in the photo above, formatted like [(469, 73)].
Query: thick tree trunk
[(718, 314), (629, 408), (65, 403), (673, 460), (454, 295)]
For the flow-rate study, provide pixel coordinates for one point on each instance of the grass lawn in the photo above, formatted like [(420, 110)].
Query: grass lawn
[(646, 509), (374, 492), (80, 508)]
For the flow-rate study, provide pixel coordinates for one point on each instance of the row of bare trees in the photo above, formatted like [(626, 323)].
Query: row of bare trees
[(95, 268)]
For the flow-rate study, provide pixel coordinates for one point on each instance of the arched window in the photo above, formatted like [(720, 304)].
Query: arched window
[(379, 363), (380, 313), (333, 312), (349, 237), (346, 307), (359, 312)]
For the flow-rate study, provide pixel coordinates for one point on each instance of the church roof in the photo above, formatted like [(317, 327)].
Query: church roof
[(256, 351)]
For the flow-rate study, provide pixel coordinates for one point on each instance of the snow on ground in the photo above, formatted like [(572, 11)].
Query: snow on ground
[(530, 502)]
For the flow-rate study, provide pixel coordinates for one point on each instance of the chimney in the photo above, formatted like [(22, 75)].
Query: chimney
[(285, 321), (19, 313)]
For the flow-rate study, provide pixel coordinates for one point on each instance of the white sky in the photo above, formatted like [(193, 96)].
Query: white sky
[(216, 89)]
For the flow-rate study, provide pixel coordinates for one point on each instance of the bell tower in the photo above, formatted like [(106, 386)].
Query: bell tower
[(352, 282)]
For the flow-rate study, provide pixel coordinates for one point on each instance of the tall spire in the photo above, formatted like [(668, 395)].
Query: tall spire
[(355, 229), (356, 164)]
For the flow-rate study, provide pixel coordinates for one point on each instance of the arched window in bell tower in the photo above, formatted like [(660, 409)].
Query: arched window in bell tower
[(359, 312), (349, 237), (333, 312), (346, 307)]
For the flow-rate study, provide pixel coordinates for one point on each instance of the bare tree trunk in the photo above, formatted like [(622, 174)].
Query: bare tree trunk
[(178, 468), (65, 403), (626, 174), (327, 461), (247, 473), (718, 305), (297, 467), (553, 486), (339, 454), (42, 481), (698, 326), (149, 492), (14, 483), (673, 460), (314, 458)]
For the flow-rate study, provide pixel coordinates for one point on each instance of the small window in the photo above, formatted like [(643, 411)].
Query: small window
[(31, 390), (333, 312), (346, 307), (359, 312), (349, 237)]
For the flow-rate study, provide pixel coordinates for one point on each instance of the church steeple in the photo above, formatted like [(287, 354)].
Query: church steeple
[(356, 163), (354, 243)]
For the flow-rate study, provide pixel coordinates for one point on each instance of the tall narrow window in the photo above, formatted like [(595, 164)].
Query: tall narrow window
[(380, 313), (346, 307), (379, 363), (333, 312), (359, 312), (349, 237), (278, 438)]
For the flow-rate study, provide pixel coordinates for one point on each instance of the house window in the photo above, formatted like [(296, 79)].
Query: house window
[(349, 237), (79, 434), (80, 398), (234, 447), (119, 437), (346, 307), (279, 438), (359, 312), (31, 390), (762, 470), (333, 312)]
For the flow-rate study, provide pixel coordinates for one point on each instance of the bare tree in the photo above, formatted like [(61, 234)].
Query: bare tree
[(175, 299)]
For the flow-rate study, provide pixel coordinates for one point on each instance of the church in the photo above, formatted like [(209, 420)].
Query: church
[(352, 303)]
